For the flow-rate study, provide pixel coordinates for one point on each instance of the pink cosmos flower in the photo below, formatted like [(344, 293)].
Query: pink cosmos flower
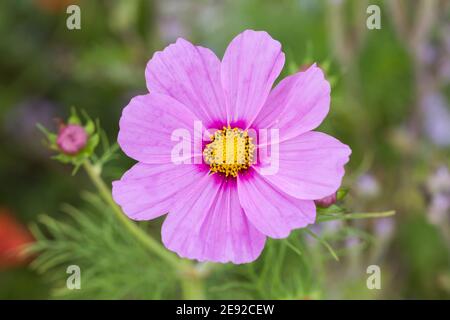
[(226, 216)]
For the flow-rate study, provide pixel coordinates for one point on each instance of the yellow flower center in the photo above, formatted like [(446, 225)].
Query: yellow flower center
[(230, 151)]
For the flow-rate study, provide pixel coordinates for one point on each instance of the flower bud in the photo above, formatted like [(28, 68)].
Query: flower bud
[(71, 139), (326, 201)]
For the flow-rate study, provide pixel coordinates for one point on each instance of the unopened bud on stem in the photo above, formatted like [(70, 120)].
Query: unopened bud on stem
[(71, 139), (326, 201)]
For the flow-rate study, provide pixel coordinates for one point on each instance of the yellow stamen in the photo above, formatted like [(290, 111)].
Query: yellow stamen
[(230, 151)]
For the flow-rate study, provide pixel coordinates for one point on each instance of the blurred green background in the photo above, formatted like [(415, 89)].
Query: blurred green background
[(390, 103)]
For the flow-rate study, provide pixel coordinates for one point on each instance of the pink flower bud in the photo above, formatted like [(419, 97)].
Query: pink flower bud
[(326, 201), (71, 138)]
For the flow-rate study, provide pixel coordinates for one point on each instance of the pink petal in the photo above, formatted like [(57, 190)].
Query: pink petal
[(191, 75), (252, 62), (147, 125), (311, 166), (298, 104), (147, 191), (271, 211), (210, 225)]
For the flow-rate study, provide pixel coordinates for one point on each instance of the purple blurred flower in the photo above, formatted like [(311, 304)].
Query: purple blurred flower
[(332, 226), (384, 227), (439, 208), (352, 242), (367, 186), (21, 122), (439, 181), (437, 118), (438, 184), (172, 19)]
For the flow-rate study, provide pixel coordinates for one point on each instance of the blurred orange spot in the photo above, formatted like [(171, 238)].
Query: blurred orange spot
[(13, 236), (54, 6)]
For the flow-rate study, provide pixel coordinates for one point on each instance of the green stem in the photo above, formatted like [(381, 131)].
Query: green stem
[(192, 287), (352, 216), (324, 243), (94, 174), (191, 283)]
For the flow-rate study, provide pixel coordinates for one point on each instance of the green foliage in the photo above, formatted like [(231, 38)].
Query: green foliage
[(429, 262), (113, 264), (285, 270)]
